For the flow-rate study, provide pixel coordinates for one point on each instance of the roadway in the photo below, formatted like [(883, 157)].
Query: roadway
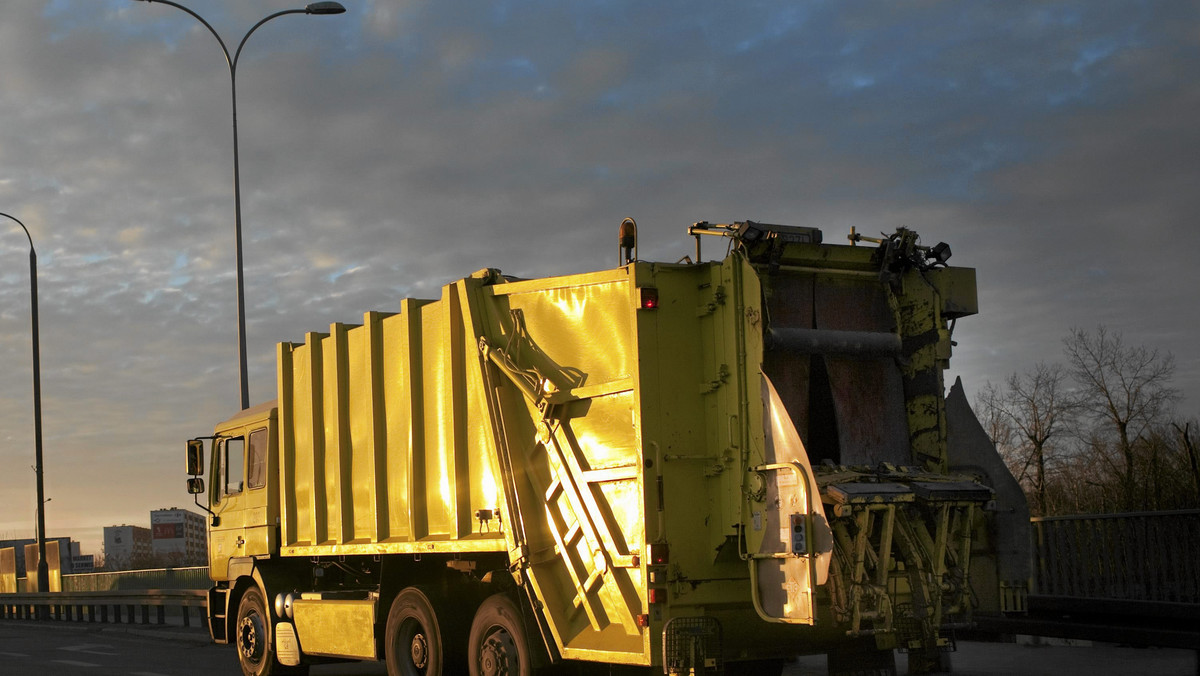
[(68, 649)]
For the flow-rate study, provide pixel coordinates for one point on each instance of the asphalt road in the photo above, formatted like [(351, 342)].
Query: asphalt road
[(34, 649), (54, 649), (1057, 659)]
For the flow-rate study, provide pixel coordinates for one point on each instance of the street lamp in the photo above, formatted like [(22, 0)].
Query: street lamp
[(313, 8), (43, 569)]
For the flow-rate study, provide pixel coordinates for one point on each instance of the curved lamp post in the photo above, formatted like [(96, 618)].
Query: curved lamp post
[(43, 569), (314, 8)]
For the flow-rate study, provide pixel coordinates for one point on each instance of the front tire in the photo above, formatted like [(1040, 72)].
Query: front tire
[(252, 634), (414, 644), (499, 644)]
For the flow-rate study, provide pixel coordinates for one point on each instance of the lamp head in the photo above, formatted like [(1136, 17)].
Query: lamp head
[(939, 254), (324, 8)]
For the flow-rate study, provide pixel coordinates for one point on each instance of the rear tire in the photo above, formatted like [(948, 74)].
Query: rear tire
[(499, 644), (413, 642)]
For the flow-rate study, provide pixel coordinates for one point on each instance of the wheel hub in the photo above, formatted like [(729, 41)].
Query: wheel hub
[(498, 655), (419, 651), (250, 638)]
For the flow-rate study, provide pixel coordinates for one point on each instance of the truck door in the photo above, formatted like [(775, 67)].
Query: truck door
[(239, 499), (227, 537)]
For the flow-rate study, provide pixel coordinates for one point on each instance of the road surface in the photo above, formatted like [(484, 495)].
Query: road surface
[(53, 649)]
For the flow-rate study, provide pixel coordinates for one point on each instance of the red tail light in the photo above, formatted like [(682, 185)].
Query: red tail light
[(660, 553), (649, 298)]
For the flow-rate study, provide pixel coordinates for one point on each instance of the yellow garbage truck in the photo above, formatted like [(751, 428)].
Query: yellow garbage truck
[(680, 468)]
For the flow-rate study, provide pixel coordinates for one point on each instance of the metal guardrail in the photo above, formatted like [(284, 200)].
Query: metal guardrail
[(1130, 578), (1133, 557), (191, 577), (156, 578), (1133, 573), (96, 606)]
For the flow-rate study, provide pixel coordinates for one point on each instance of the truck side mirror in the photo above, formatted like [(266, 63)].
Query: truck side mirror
[(195, 485), (195, 461)]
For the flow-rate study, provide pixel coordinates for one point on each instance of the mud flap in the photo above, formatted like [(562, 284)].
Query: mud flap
[(287, 648)]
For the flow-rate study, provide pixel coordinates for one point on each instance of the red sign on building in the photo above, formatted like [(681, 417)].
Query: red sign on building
[(167, 531)]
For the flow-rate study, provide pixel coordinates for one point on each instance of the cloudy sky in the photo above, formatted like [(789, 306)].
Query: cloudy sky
[(401, 145)]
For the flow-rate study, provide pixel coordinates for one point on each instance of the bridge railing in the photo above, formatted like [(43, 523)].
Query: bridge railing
[(107, 606), (1145, 563), (127, 596), (158, 578), (1132, 557)]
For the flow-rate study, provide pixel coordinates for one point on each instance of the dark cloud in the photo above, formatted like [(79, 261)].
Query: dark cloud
[(405, 144)]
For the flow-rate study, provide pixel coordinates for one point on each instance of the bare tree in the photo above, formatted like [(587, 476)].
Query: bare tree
[(989, 405), (1123, 387), (1028, 417), (1188, 443), (1077, 488)]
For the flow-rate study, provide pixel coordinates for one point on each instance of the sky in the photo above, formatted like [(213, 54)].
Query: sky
[(402, 145)]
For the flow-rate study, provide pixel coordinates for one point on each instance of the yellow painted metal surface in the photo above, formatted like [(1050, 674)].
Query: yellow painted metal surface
[(246, 505), (514, 399), (563, 368), (336, 627), (374, 469)]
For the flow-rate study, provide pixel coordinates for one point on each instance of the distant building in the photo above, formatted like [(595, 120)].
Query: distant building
[(179, 537), (127, 547)]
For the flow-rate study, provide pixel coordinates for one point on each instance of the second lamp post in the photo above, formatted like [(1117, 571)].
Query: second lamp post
[(43, 569), (314, 8)]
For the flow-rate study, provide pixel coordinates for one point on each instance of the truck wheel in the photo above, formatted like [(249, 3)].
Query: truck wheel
[(413, 642), (498, 645), (252, 634)]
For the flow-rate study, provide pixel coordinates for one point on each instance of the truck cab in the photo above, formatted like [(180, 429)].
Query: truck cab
[(242, 502), (240, 497)]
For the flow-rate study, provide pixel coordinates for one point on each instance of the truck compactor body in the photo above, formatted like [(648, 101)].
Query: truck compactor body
[(685, 468)]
